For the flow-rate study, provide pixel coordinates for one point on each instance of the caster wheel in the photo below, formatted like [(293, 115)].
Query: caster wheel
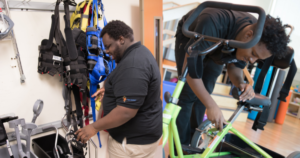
[(295, 154), (201, 139)]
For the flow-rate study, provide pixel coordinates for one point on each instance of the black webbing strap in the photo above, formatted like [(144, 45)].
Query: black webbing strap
[(68, 106), (79, 112), (261, 119), (69, 35), (55, 21), (262, 75), (80, 37), (288, 82)]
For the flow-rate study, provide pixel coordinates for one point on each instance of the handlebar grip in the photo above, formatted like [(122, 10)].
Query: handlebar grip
[(245, 8)]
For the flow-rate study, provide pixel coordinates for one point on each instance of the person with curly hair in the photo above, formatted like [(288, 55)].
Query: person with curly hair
[(195, 97), (131, 102)]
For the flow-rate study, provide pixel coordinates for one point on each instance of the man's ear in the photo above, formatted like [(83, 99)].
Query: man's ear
[(248, 35), (122, 40)]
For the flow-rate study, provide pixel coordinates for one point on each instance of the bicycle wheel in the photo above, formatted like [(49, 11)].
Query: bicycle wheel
[(295, 154), (200, 138)]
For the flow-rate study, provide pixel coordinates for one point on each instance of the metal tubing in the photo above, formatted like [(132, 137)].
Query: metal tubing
[(175, 133), (22, 76), (250, 143)]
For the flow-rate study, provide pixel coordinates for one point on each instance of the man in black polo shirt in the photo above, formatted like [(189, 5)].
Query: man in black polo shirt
[(131, 103), (225, 24)]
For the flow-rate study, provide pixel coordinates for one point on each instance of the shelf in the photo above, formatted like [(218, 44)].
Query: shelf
[(297, 93), (288, 113), (169, 67), (295, 104)]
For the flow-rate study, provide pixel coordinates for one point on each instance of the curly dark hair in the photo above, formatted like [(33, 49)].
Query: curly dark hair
[(275, 37), (117, 28)]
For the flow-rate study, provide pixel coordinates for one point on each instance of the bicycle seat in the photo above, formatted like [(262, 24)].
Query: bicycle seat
[(256, 101)]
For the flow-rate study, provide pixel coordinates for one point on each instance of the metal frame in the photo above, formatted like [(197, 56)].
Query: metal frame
[(27, 5), (15, 45), (170, 131)]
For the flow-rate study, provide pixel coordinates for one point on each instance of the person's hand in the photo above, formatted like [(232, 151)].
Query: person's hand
[(85, 133), (215, 115), (99, 94), (248, 92)]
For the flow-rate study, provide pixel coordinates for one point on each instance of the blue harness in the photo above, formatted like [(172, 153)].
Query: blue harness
[(104, 63)]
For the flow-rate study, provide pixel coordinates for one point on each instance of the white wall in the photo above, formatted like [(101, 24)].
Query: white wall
[(30, 28), (286, 10)]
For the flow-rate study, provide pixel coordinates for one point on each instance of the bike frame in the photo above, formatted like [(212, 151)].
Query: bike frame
[(170, 131)]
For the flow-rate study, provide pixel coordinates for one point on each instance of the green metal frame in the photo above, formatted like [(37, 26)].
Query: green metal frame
[(170, 132)]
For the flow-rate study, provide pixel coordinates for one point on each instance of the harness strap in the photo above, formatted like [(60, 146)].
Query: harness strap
[(262, 75), (261, 119), (79, 112), (69, 35)]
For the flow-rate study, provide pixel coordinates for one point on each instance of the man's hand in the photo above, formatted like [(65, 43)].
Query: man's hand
[(248, 92), (215, 115), (84, 134), (99, 94)]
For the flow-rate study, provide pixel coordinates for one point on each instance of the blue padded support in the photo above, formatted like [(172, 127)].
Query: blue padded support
[(98, 74)]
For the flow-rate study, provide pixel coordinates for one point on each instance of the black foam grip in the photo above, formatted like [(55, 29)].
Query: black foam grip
[(232, 43)]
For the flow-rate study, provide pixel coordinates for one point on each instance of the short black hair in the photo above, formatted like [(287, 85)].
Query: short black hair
[(275, 37), (117, 28)]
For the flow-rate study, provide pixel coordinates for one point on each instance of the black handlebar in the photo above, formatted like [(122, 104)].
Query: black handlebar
[(232, 43)]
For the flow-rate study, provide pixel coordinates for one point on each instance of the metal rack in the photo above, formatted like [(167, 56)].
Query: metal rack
[(25, 5), (12, 37)]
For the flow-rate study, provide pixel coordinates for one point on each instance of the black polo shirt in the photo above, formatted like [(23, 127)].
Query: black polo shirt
[(135, 83), (221, 23)]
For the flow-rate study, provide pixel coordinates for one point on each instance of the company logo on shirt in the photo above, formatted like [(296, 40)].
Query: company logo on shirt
[(125, 99)]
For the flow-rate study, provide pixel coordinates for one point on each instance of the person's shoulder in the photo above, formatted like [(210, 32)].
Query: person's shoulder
[(244, 15), (139, 57)]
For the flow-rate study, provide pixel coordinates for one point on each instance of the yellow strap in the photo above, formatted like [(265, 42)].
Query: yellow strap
[(75, 15), (84, 22)]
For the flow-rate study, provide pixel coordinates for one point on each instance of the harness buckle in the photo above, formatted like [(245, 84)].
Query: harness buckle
[(55, 63)]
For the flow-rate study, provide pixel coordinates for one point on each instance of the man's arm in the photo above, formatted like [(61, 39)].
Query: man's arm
[(236, 76), (117, 117), (214, 113)]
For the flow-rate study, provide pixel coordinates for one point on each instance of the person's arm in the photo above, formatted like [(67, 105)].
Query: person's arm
[(127, 108), (236, 76), (117, 117), (214, 113)]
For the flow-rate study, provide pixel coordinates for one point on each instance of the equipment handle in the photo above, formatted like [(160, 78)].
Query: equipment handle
[(232, 43), (291, 27), (37, 109)]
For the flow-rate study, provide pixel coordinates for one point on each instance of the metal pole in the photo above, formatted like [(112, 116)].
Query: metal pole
[(22, 76)]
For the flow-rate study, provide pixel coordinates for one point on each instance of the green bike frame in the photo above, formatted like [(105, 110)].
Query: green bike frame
[(170, 132)]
